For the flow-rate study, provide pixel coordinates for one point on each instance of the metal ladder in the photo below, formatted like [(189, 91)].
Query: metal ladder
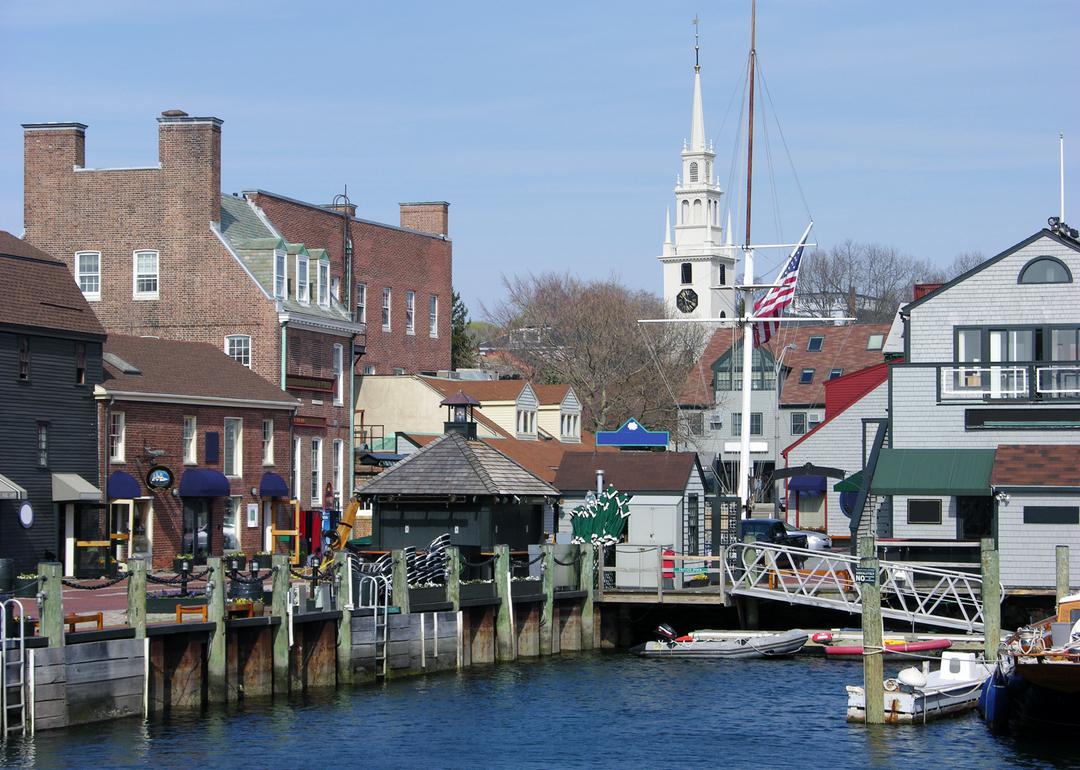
[(12, 673), (374, 594)]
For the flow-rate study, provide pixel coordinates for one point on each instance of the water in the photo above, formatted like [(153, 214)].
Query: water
[(584, 711)]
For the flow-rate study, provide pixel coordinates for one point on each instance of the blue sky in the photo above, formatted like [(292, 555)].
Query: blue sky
[(554, 128)]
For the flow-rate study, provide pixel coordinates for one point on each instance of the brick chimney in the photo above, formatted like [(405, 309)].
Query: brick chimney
[(189, 150), (428, 217), (51, 152)]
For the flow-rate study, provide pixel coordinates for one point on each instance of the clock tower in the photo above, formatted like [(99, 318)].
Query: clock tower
[(699, 254)]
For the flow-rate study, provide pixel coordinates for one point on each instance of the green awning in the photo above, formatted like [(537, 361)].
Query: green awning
[(852, 483), (951, 472)]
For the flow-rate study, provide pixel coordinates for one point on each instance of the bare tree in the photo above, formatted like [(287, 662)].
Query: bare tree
[(963, 262), (586, 334)]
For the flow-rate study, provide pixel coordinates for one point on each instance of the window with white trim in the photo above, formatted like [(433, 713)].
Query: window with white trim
[(302, 279), (190, 450), (238, 348), (335, 289), (230, 525), (798, 423), (145, 275), (324, 282), (316, 472), (339, 471), (297, 476), (386, 310), (369, 368), (433, 316), (339, 374), (88, 273), (116, 437), (361, 302), (234, 446), (268, 442), (279, 274), (410, 312)]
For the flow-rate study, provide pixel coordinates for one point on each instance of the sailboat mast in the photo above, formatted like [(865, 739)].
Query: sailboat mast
[(745, 469)]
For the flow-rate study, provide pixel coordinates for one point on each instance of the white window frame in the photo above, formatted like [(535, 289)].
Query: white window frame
[(316, 472), (280, 260), (303, 279), (117, 436), (387, 309), (298, 449), (237, 459), (190, 442), (92, 296), (410, 312), (433, 316), (338, 459), (369, 369), (361, 302), (268, 442), (230, 339), (338, 364), (232, 503), (324, 282), (144, 295), (335, 289)]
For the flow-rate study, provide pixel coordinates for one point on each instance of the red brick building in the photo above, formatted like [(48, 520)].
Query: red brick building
[(202, 421)]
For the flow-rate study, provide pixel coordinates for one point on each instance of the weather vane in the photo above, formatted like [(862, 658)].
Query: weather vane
[(697, 64)]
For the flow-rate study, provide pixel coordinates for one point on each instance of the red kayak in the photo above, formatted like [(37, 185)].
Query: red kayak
[(854, 651)]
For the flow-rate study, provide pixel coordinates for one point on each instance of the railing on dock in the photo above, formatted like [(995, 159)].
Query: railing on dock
[(909, 592), (648, 568)]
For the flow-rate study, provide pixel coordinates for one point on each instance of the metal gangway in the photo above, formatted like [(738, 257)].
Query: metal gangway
[(13, 678), (914, 593)]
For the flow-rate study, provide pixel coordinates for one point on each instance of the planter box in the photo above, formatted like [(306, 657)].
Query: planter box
[(25, 591), (419, 596), (527, 589), (477, 591)]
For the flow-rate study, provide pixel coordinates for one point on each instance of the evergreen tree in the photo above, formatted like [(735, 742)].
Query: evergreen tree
[(462, 344)]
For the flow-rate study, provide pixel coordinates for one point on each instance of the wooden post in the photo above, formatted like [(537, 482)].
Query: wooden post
[(136, 596), (1061, 554), (52, 606), (279, 609), (216, 615), (991, 599), (872, 633), (586, 584), (504, 618), (749, 604), (345, 599), (453, 577), (400, 577), (547, 612)]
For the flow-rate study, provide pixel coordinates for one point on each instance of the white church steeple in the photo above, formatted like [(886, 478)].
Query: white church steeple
[(700, 256)]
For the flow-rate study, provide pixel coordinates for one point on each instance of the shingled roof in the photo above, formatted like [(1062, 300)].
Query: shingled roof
[(632, 472), (454, 465), (1036, 465), (499, 390)]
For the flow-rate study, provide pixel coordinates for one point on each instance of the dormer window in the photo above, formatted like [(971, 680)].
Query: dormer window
[(693, 172), (324, 282), (814, 344), (279, 274), (806, 377), (687, 272), (1045, 270), (302, 283), (526, 422)]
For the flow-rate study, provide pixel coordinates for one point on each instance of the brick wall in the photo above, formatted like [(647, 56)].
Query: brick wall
[(383, 257), (426, 217)]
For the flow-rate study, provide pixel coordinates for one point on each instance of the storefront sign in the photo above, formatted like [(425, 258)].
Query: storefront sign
[(314, 384), (160, 477)]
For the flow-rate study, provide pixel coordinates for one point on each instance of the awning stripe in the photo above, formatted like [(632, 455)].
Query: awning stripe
[(9, 490)]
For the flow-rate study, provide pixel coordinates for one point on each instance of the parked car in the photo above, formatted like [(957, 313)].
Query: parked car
[(815, 541), (772, 531)]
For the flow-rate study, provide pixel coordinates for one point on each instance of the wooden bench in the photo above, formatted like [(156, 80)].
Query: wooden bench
[(190, 609), (73, 619)]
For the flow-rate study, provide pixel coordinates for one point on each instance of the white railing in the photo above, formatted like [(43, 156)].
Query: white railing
[(1058, 381), (975, 383), (909, 592)]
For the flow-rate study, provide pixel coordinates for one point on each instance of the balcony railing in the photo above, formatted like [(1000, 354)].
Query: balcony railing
[(1010, 382)]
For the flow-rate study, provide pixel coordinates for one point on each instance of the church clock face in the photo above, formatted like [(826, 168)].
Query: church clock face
[(686, 300)]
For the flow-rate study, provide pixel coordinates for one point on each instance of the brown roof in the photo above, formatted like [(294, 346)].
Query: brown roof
[(40, 292), (843, 347), (627, 471), (498, 390), (1036, 465), (180, 368)]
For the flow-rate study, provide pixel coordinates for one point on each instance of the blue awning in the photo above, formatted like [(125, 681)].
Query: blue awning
[(812, 484), (272, 485), (122, 486), (201, 482)]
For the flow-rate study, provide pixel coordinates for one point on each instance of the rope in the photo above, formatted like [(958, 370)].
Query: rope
[(482, 563), (165, 581), (96, 586), (570, 563), (256, 578), (27, 584)]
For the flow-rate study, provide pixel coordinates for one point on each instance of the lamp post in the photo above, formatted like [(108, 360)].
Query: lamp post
[(777, 384)]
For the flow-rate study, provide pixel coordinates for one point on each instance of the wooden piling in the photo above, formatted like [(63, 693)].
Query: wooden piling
[(547, 611), (52, 606), (400, 577), (1061, 554), (345, 602), (453, 577), (505, 649), (215, 613), (136, 596), (991, 599), (586, 569), (279, 608), (872, 632)]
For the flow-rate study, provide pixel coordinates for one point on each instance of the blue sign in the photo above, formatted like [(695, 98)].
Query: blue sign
[(159, 477), (632, 433)]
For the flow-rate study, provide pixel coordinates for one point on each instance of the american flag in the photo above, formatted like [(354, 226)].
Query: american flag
[(773, 302)]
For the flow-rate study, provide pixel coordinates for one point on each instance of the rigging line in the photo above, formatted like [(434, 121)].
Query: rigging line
[(660, 370), (773, 197), (737, 154), (783, 140), (727, 112)]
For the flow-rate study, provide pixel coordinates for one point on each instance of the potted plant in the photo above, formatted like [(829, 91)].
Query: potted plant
[(234, 562), (183, 562), (262, 560), (526, 588), (426, 593), (477, 589), (26, 586)]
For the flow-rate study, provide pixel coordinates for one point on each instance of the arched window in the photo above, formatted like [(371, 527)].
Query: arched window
[(723, 314), (697, 212), (1045, 270), (693, 172), (684, 219)]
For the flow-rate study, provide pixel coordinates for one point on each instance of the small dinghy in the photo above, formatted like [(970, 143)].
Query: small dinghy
[(711, 644), (892, 649)]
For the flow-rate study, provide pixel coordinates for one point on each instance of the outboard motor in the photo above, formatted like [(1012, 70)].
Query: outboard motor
[(666, 632)]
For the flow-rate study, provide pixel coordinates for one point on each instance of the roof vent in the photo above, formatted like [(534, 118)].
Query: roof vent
[(120, 364)]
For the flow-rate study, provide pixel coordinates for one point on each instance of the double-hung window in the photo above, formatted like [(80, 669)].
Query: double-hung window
[(145, 275), (238, 348), (410, 312), (279, 274), (386, 310), (268, 442), (798, 423), (433, 316), (756, 423), (116, 437), (234, 446), (316, 472), (324, 282), (339, 374), (88, 273), (190, 453), (302, 282), (361, 302)]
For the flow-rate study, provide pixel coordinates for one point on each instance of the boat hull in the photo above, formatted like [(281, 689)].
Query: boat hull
[(771, 646), (848, 652)]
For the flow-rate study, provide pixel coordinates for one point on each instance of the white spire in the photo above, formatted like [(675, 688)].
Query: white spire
[(697, 120)]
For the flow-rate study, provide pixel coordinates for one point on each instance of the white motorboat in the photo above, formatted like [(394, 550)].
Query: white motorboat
[(711, 644), (920, 695)]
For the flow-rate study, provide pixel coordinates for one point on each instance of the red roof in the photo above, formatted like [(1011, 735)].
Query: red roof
[(1036, 465), (842, 392)]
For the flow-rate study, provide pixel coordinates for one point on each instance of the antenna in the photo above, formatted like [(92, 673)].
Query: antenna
[(1061, 171), (697, 64)]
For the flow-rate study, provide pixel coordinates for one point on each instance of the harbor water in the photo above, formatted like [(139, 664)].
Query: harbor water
[(592, 710)]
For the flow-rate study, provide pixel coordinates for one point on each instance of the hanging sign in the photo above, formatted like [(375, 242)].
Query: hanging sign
[(159, 477)]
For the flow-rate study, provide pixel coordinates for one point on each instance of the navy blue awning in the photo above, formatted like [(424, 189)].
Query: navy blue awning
[(813, 484), (272, 485), (122, 486), (202, 482)]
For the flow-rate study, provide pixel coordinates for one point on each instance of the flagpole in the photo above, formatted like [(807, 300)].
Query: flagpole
[(748, 296)]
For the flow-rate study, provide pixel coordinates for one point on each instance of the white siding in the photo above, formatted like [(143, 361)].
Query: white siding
[(1026, 551), (946, 530)]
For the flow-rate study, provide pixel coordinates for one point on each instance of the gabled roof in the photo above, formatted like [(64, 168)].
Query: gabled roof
[(1036, 465), (178, 369), (40, 292), (454, 465), (857, 386), (499, 390), (631, 472)]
